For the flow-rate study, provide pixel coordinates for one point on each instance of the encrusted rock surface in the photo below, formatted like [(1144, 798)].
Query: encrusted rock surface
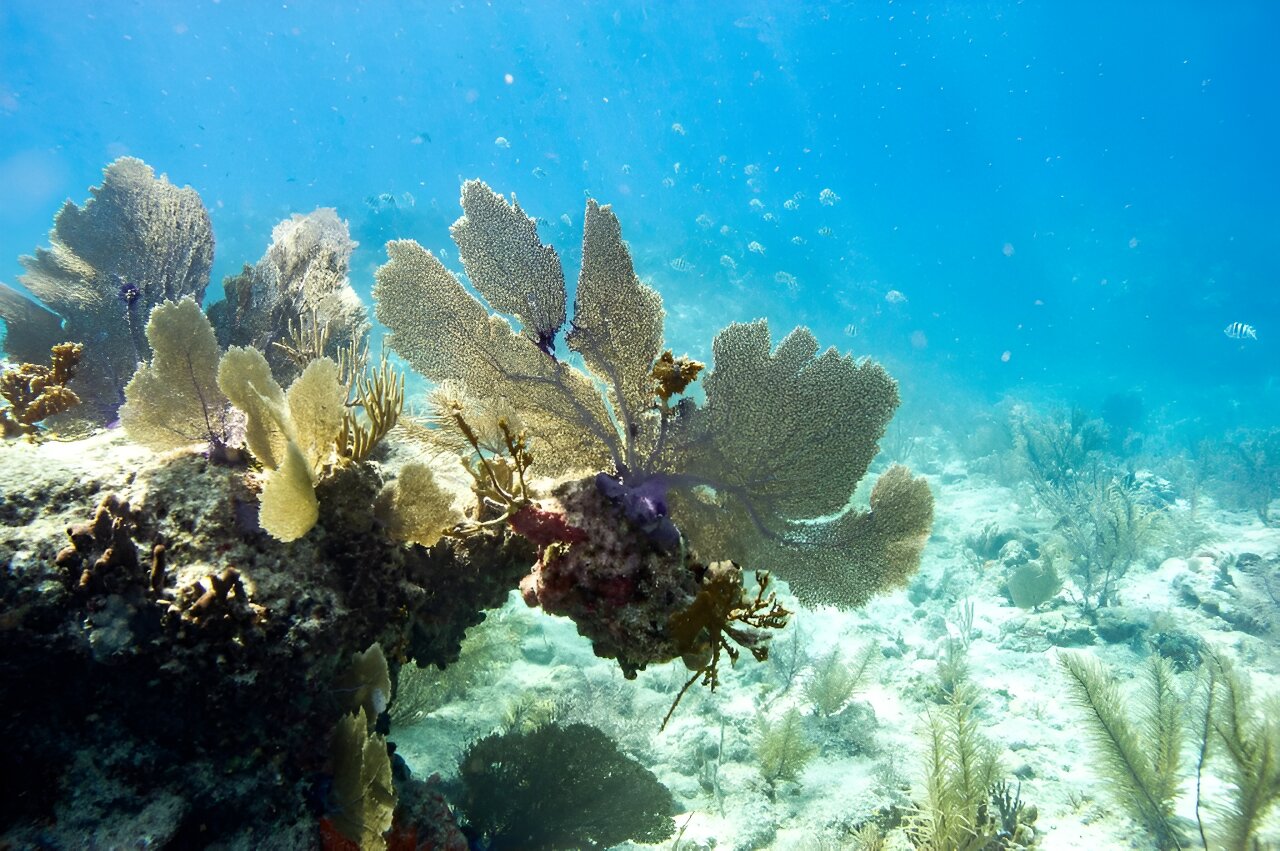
[(152, 633)]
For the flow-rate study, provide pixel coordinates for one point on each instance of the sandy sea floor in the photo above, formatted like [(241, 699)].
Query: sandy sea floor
[(871, 754)]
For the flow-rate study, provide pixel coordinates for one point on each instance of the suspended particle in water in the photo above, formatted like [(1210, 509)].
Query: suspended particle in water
[(1007, 251)]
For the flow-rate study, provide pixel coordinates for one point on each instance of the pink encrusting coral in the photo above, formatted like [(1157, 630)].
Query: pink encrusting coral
[(616, 583)]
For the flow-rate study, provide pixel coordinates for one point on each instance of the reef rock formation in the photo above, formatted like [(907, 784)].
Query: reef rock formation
[(159, 649)]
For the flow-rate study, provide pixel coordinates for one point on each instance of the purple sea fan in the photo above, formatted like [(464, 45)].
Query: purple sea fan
[(645, 505)]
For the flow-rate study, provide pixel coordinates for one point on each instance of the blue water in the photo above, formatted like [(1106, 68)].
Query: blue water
[(1074, 199)]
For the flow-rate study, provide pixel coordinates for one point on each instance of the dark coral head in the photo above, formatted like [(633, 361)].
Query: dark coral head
[(546, 341), (129, 294)]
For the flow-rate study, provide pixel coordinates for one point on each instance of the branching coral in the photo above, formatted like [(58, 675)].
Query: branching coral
[(35, 391), (138, 241), (720, 613), (762, 473)]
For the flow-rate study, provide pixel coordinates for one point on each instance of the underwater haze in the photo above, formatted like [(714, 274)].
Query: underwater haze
[(394, 454), (1079, 197)]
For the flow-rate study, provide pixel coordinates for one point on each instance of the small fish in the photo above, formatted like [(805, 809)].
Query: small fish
[(568, 222), (728, 262), (825, 231), (755, 204), (704, 220), (1241, 331), (798, 240), (787, 279), (677, 128), (626, 169), (895, 297), (420, 138), (407, 199), (725, 230), (668, 182), (755, 247), (769, 217), (676, 168), (502, 142), (681, 265), (827, 198), (851, 330), (751, 169), (538, 172), (790, 204)]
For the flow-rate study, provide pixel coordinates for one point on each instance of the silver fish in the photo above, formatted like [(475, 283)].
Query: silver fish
[(1241, 331), (681, 265)]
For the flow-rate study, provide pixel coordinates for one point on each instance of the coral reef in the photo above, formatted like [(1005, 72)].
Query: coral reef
[(158, 629), (211, 638), (35, 391), (761, 474), (138, 241), (779, 443)]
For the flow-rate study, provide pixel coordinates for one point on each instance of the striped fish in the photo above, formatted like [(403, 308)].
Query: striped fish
[(1240, 331)]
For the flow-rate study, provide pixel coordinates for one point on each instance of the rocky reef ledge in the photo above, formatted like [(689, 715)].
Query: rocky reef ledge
[(172, 675)]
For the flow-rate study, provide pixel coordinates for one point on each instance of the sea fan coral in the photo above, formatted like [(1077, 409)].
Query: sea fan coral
[(302, 278), (137, 242), (762, 473)]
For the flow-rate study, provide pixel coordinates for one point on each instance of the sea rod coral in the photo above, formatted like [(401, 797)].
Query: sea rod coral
[(761, 473)]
